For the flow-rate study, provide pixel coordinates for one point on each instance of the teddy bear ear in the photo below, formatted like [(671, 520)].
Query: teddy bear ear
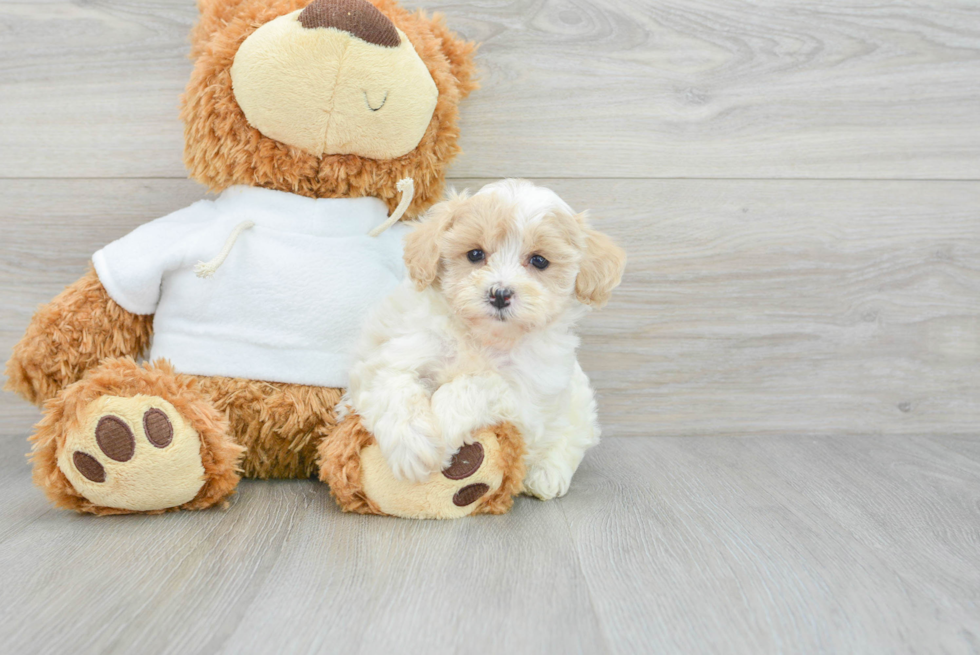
[(216, 7), (214, 14), (460, 55), (215, 10)]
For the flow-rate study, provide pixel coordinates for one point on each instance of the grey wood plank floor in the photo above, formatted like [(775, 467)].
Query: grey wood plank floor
[(663, 545), (789, 377)]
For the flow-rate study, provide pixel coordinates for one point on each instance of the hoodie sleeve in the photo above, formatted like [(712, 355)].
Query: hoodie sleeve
[(132, 268)]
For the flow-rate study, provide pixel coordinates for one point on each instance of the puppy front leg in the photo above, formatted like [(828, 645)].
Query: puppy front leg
[(468, 403), (398, 412), (550, 476), (553, 460)]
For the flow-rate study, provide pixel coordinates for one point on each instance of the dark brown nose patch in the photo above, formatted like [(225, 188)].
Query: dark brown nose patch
[(357, 17)]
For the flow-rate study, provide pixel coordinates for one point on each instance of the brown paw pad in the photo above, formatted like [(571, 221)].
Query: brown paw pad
[(474, 474), (465, 462), (115, 439), (470, 494), (88, 466), (159, 431), (117, 442)]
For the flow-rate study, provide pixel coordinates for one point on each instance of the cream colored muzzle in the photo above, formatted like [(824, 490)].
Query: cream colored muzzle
[(330, 93)]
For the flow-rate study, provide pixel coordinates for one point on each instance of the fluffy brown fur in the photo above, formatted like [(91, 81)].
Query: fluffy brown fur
[(71, 334), (340, 467), (124, 377), (222, 149), (280, 424), (512, 452)]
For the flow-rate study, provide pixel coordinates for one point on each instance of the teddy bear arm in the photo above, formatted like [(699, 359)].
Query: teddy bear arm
[(71, 334)]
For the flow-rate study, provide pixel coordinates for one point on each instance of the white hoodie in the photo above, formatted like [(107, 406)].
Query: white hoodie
[(288, 302)]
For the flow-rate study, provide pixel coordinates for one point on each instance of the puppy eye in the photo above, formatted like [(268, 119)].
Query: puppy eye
[(475, 256), (539, 262)]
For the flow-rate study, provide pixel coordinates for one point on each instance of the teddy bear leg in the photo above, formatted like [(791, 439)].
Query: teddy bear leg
[(128, 438), (483, 478)]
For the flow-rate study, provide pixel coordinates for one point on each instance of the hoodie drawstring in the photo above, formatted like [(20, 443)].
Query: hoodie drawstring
[(407, 188), (208, 269)]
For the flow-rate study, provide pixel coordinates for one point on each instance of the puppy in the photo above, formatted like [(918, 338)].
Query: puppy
[(482, 332)]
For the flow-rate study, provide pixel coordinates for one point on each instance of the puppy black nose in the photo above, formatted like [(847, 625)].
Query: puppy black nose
[(500, 298), (357, 17)]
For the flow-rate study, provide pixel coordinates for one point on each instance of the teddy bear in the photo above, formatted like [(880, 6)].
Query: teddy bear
[(321, 126)]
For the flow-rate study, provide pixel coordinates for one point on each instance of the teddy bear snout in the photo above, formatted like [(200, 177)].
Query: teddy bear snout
[(335, 78), (357, 17)]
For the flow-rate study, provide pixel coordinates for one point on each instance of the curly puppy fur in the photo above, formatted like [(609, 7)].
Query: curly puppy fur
[(124, 377), (222, 149), (340, 468), (280, 424)]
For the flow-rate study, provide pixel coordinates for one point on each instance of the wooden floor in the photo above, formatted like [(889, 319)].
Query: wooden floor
[(663, 545), (789, 377)]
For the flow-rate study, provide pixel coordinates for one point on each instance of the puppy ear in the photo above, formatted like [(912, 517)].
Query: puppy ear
[(601, 269), (422, 244)]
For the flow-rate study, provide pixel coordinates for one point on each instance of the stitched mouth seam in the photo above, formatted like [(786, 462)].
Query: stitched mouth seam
[(368, 102)]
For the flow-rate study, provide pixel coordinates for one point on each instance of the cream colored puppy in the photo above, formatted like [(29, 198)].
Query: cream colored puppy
[(482, 332)]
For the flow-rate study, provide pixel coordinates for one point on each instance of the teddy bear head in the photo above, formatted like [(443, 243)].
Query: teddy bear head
[(326, 99)]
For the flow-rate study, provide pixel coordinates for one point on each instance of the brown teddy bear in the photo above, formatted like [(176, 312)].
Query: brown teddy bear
[(320, 125)]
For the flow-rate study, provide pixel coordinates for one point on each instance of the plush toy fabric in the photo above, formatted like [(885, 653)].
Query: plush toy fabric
[(306, 118), (490, 470), (224, 148)]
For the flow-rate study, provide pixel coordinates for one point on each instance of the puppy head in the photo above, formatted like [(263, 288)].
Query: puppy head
[(512, 258)]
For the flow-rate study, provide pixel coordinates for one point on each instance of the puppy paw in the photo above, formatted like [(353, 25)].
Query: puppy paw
[(414, 450), (467, 405), (546, 481)]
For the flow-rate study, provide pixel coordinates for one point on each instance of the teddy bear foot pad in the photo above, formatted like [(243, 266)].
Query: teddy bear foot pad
[(133, 453), (482, 478), (473, 473)]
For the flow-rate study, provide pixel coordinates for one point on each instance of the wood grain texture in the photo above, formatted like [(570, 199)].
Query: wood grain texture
[(749, 307), (283, 571), (620, 88), (776, 544), (714, 545)]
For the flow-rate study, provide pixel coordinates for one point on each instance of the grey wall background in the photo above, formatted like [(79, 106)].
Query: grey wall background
[(798, 187)]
